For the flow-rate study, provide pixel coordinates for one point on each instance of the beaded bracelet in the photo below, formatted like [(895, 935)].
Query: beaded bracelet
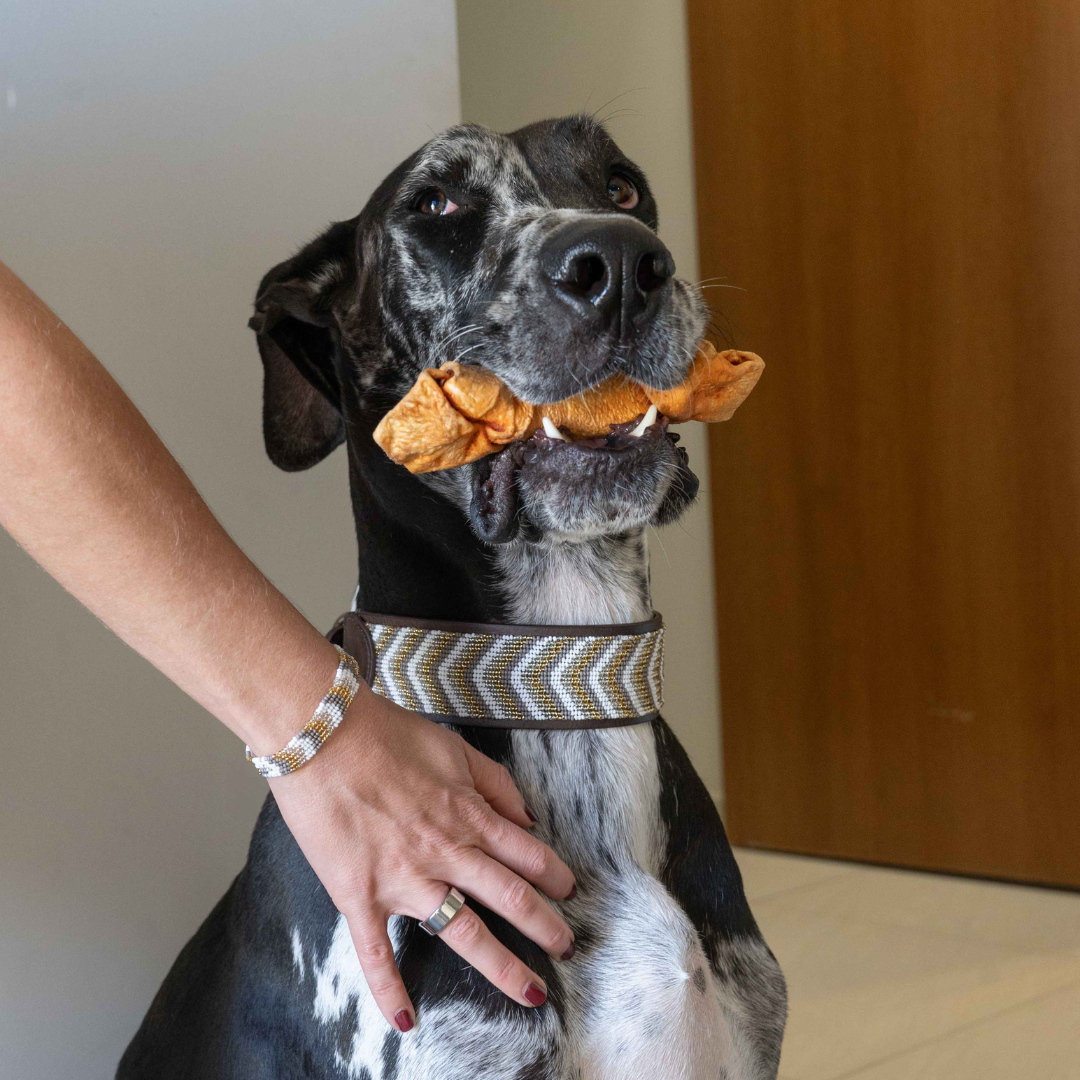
[(304, 745)]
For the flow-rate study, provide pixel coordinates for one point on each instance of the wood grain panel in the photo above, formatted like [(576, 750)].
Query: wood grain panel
[(896, 187)]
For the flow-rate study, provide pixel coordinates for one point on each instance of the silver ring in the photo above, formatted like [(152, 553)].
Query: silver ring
[(440, 918)]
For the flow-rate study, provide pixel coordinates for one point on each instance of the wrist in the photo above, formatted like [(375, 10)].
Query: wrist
[(329, 713), (350, 753), (272, 708)]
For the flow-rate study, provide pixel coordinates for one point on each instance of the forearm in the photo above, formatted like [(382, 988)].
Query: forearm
[(88, 489)]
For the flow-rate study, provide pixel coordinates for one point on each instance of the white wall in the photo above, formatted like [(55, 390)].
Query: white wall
[(155, 160), (628, 59)]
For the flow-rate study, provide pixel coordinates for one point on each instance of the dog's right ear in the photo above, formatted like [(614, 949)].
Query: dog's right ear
[(296, 327)]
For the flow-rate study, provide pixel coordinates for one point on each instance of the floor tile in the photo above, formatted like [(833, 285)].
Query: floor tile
[(860, 992), (768, 872), (1038, 1041), (1016, 916)]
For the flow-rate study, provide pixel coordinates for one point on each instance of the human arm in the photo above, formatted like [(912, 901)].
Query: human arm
[(92, 494)]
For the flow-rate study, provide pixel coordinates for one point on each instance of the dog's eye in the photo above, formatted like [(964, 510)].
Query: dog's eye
[(434, 201), (622, 192)]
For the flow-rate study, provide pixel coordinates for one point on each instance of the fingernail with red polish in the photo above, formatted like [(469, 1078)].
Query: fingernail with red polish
[(534, 994), (570, 950), (404, 1020), (530, 815)]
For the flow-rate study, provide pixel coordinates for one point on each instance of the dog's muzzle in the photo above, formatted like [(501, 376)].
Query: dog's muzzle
[(507, 676)]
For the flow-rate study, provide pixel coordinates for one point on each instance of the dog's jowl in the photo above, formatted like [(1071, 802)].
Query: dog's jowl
[(534, 254)]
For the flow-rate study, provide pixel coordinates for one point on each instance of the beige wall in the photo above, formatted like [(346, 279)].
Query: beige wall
[(155, 160), (626, 58)]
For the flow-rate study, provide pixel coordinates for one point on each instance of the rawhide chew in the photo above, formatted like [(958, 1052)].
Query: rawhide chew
[(460, 412)]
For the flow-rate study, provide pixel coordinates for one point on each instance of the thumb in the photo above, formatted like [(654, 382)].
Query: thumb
[(497, 786)]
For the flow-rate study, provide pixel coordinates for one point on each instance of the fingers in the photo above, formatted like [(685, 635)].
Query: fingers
[(519, 903), (524, 854), (476, 945), (376, 956), (497, 786), (527, 856)]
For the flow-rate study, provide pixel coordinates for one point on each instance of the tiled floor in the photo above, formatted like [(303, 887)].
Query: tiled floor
[(894, 975)]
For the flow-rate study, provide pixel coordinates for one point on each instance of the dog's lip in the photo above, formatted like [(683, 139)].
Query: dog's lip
[(496, 506), (618, 440)]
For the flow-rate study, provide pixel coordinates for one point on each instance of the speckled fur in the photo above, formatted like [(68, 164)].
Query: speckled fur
[(672, 980)]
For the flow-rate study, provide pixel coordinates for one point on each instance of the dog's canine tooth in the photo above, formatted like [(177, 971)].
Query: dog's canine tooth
[(552, 432), (647, 421)]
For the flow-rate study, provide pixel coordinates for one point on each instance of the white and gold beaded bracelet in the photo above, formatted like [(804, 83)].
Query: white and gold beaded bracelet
[(305, 744)]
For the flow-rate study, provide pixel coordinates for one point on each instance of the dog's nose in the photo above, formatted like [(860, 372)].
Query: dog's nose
[(611, 270)]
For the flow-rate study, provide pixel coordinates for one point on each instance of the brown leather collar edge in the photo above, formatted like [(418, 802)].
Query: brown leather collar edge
[(516, 629)]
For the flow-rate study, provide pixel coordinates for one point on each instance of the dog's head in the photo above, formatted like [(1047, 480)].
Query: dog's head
[(534, 254)]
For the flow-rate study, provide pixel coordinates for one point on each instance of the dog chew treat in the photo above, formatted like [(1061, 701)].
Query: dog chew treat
[(460, 413)]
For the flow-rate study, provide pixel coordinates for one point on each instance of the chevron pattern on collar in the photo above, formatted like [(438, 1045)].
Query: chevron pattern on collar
[(526, 677)]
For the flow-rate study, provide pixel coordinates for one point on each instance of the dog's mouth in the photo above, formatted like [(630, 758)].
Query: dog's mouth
[(619, 438), (633, 475)]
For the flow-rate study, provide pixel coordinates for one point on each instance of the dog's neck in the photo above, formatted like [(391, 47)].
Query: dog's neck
[(582, 582), (419, 558)]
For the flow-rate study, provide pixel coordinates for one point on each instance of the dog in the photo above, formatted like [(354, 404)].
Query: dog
[(536, 255)]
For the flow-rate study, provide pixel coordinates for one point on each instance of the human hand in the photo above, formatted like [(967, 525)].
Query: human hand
[(443, 814)]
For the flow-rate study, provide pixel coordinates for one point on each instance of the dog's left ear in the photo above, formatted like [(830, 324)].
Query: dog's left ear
[(295, 328)]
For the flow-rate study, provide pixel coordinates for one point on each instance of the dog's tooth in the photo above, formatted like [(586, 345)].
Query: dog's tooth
[(646, 421), (551, 431)]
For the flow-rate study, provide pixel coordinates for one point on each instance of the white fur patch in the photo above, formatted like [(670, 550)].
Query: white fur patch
[(579, 582), (298, 954), (652, 1010)]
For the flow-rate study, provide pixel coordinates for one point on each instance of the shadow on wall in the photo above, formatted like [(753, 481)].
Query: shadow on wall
[(156, 163)]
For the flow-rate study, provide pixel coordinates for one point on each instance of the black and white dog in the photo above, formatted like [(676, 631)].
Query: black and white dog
[(536, 255)]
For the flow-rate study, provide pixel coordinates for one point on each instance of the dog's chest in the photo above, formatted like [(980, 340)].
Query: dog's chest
[(639, 1000), (639, 995)]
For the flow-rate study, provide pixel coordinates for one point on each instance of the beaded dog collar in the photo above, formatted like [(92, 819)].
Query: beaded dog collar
[(501, 675)]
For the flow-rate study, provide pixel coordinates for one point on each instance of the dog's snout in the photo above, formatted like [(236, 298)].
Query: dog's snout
[(611, 271)]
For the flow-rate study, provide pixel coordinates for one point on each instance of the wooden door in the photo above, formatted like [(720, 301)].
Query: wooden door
[(896, 186)]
